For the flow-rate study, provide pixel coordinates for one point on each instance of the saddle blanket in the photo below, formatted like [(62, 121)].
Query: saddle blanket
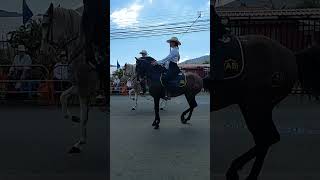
[(179, 82), (228, 62)]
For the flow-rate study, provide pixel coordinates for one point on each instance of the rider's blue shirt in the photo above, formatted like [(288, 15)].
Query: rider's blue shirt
[(174, 56)]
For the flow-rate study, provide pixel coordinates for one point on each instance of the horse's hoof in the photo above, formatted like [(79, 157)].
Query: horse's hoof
[(183, 120), (156, 126), (75, 119), (232, 175), (133, 109), (153, 124), (161, 109), (251, 178), (74, 150)]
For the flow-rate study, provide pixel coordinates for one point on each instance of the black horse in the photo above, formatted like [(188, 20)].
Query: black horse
[(154, 74), (94, 23), (257, 92)]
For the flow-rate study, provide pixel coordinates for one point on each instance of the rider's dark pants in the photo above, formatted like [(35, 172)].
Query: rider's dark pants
[(172, 72)]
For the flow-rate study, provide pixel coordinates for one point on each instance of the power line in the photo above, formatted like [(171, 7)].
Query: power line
[(156, 20), (162, 25), (170, 29), (160, 34)]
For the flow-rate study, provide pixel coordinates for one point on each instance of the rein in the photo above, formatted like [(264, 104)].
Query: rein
[(64, 42)]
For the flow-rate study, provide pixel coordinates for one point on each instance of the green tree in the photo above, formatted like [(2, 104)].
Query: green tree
[(29, 36), (119, 73)]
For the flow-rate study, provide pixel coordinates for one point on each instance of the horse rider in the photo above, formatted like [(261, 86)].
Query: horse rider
[(170, 62), (144, 56)]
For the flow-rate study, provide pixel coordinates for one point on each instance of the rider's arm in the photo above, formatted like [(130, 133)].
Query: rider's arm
[(173, 56)]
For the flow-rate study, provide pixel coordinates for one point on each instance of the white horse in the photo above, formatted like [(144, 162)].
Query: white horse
[(129, 73), (62, 28)]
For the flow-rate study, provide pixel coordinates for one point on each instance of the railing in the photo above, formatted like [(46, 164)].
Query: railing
[(294, 33), (41, 87)]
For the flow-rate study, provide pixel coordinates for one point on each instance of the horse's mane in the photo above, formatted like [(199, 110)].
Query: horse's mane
[(67, 19), (130, 69)]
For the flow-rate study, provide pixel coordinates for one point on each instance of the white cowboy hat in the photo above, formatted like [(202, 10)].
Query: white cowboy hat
[(21, 48), (143, 52), (174, 39)]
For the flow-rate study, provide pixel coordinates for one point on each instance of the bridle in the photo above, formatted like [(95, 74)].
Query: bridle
[(62, 43)]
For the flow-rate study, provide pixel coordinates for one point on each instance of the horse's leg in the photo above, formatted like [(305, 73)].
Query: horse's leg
[(84, 112), (163, 104), (136, 101), (193, 104), (156, 121), (65, 95), (130, 91), (263, 141)]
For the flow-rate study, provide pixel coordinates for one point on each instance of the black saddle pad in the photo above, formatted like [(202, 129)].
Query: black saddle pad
[(176, 83), (229, 57)]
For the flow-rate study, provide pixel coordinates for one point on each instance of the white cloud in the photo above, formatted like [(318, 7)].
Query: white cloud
[(126, 16), (150, 1), (207, 54)]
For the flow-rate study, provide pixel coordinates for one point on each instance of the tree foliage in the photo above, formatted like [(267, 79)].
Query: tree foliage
[(29, 35)]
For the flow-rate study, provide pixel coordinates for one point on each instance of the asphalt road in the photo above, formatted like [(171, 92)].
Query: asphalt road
[(174, 152), (295, 157), (35, 141)]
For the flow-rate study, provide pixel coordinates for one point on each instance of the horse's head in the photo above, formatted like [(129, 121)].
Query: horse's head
[(141, 67), (219, 25), (59, 26), (47, 31), (129, 69)]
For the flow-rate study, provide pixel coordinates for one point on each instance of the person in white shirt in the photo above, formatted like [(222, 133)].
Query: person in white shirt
[(21, 66), (116, 83), (61, 73), (170, 62)]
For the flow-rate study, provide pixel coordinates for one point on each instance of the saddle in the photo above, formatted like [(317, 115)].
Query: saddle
[(179, 81), (228, 59)]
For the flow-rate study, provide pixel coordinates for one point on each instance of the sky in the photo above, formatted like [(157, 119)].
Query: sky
[(128, 13)]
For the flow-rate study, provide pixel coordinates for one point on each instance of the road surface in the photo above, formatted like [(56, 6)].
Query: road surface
[(174, 152)]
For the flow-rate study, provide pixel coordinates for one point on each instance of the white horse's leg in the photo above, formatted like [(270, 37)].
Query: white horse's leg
[(136, 100), (84, 112), (163, 104), (130, 92), (65, 95)]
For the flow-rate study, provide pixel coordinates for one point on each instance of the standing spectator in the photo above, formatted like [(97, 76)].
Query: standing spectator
[(20, 69), (61, 73), (116, 83)]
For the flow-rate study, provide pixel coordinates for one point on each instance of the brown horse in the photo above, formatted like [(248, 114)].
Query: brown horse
[(257, 93), (157, 90)]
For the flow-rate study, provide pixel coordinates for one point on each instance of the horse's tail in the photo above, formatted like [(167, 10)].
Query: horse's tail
[(308, 62), (207, 83)]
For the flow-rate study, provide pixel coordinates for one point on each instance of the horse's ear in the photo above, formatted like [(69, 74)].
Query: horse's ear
[(136, 58), (50, 10)]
